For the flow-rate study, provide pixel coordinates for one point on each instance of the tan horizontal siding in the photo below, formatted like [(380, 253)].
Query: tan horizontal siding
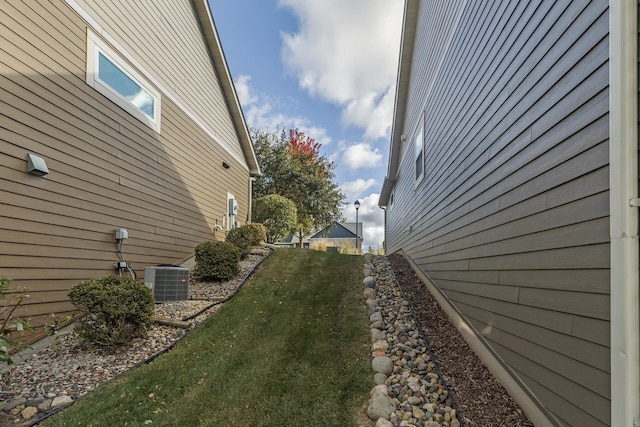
[(107, 169), (126, 180), (191, 78), (16, 19), (59, 306)]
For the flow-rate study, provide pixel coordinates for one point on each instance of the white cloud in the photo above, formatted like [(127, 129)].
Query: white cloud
[(373, 237), (361, 155), (261, 112), (354, 189), (244, 90), (346, 52), (374, 113)]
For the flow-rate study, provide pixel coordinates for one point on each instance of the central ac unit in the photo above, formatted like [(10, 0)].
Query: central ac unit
[(168, 283)]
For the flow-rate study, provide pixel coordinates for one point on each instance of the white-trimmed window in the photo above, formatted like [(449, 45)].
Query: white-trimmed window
[(419, 152), (112, 76)]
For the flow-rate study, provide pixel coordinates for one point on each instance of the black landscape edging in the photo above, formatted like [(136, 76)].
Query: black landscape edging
[(230, 296), (151, 358)]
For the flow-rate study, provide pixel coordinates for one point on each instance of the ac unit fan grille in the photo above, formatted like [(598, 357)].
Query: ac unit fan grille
[(168, 283)]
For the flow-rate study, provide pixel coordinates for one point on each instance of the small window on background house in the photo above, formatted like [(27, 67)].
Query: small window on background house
[(112, 76), (419, 142)]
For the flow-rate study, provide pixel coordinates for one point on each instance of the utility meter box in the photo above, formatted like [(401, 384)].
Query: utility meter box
[(233, 207), (168, 283)]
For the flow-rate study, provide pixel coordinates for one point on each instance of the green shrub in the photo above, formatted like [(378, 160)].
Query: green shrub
[(217, 261), (257, 232), (114, 310), (240, 238), (246, 236), (278, 214), (8, 321)]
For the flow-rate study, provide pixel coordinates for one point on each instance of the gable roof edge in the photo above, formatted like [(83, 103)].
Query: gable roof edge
[(409, 24), (344, 225), (212, 39)]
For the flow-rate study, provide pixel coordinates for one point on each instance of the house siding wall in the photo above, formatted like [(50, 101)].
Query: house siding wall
[(107, 169), (511, 220), (190, 78)]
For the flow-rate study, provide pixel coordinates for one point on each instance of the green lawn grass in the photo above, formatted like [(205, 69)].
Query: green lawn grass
[(291, 349)]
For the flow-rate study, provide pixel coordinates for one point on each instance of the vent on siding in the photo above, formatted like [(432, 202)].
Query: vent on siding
[(167, 283)]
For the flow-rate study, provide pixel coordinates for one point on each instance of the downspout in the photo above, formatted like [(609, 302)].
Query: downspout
[(384, 243), (251, 179), (623, 176)]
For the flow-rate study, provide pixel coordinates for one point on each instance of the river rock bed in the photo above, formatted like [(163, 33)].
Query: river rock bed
[(68, 369), (411, 390), (416, 390)]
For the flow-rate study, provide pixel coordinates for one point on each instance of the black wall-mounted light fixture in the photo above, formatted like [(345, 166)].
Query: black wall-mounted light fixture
[(225, 165)]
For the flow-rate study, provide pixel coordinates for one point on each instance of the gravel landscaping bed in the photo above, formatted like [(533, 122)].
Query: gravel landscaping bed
[(481, 400), (417, 389), (59, 374)]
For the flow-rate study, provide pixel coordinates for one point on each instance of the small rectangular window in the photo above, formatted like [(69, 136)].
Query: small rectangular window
[(119, 81), (112, 76)]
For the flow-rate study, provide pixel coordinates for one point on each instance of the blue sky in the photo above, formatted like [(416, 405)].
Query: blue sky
[(328, 68)]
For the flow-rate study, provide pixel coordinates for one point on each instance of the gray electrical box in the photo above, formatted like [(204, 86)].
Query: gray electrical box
[(233, 207), (168, 283), (121, 234)]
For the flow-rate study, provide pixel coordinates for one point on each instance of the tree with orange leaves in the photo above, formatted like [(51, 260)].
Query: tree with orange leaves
[(301, 145), (293, 167)]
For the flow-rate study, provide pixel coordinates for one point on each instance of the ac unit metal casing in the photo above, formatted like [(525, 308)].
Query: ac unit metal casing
[(167, 283)]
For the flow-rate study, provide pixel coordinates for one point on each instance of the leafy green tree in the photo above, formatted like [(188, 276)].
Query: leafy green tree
[(293, 167), (278, 214)]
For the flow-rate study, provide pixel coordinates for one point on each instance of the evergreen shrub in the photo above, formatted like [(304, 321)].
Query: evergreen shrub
[(246, 236), (217, 261), (257, 232), (114, 310)]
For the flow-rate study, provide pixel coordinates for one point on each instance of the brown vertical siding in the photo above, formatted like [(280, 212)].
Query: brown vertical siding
[(511, 220), (107, 169)]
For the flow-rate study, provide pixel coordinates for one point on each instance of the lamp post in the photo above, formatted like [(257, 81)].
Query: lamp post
[(357, 205)]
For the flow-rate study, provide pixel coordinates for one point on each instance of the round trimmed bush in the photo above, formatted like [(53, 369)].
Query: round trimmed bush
[(246, 236), (241, 238), (114, 310), (217, 261), (257, 233)]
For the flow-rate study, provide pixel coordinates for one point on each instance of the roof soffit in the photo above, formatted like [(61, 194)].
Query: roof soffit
[(402, 89)]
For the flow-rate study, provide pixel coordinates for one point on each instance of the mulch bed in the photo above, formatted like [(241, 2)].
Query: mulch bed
[(481, 400)]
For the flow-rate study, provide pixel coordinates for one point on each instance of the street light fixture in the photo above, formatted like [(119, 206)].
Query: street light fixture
[(357, 205)]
